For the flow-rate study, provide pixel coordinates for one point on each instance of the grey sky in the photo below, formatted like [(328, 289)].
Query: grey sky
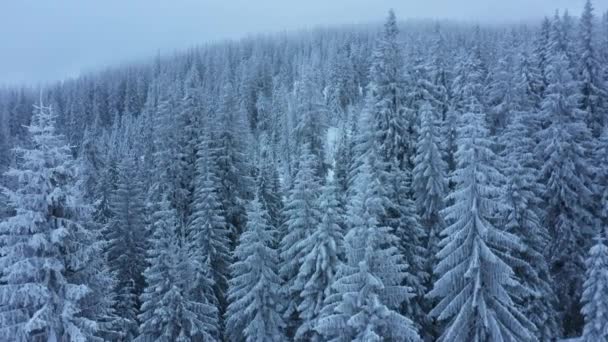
[(43, 40)]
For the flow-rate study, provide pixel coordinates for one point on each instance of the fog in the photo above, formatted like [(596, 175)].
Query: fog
[(42, 41)]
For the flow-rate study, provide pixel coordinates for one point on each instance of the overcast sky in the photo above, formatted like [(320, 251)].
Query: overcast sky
[(45, 40)]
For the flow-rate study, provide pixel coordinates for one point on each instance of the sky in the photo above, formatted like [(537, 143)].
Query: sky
[(48, 40)]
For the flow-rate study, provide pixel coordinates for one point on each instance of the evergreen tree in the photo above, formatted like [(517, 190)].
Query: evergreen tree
[(311, 126), (302, 217), (566, 175), (522, 219), (126, 244), (430, 186), (168, 314), (474, 281), (234, 170), (593, 90), (269, 191), (368, 292), (601, 177), (430, 177), (45, 243), (386, 97), (208, 242), (500, 94), (322, 252), (254, 312), (387, 138), (594, 297)]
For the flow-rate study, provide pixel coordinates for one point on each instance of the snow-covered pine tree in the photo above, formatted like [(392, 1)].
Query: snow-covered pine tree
[(322, 252), (500, 94), (269, 190), (566, 175), (168, 313), (45, 243), (234, 170), (342, 88), (430, 186), (386, 97), (595, 293), (593, 88), (368, 292), (189, 113), (522, 219), (540, 53), (343, 164), (311, 113), (601, 178), (440, 73), (386, 137), (207, 237), (429, 177), (474, 281), (126, 245), (254, 312), (302, 217)]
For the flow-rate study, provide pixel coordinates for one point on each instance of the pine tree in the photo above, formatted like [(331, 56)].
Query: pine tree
[(368, 292), (541, 53), (311, 126), (595, 298), (254, 312), (269, 191), (593, 90), (500, 94), (430, 176), (234, 170), (208, 242), (522, 219), (601, 177), (302, 216), (566, 176), (474, 280), (188, 122), (386, 97), (322, 252), (430, 186), (45, 243), (387, 138), (168, 314), (126, 244)]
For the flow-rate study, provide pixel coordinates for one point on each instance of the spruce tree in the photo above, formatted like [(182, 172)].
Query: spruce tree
[(168, 312), (269, 191), (234, 170), (522, 219), (474, 280), (208, 242), (593, 89), (430, 186), (595, 293), (430, 177), (387, 138), (386, 96), (254, 312), (46, 245), (368, 292), (302, 217), (566, 175), (322, 252), (126, 243)]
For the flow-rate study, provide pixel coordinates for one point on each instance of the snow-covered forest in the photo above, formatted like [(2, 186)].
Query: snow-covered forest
[(411, 181)]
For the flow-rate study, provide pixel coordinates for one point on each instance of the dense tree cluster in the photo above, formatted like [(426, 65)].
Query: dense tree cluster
[(413, 182)]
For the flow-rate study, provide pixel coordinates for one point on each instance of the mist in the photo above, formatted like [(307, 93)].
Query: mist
[(51, 40)]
